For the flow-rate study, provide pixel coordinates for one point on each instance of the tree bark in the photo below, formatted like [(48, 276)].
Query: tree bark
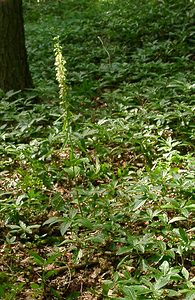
[(14, 69)]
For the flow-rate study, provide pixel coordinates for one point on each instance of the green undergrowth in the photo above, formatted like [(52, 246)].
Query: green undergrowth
[(103, 209)]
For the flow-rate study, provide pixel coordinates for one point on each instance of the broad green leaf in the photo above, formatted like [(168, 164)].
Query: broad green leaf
[(20, 198), (10, 240), (183, 235), (185, 273), (73, 171), (97, 239), (164, 267), (28, 230), (35, 286), (129, 291), (52, 258), (85, 223), (190, 295), (138, 204), (171, 253), (190, 207), (52, 220), (175, 219), (64, 227), (14, 227), (107, 285), (141, 289), (57, 202), (34, 226), (191, 229), (79, 256), (37, 258), (192, 244), (22, 225), (173, 294), (55, 293), (125, 249), (161, 282), (140, 247), (49, 274)]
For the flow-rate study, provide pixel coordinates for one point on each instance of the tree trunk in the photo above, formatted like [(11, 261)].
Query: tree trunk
[(14, 69)]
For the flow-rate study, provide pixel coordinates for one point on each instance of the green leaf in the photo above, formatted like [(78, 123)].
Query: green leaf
[(125, 249), (171, 253), (190, 295), (28, 230), (190, 207), (106, 286), (173, 294), (55, 293), (52, 258), (161, 282), (52, 220), (64, 227), (85, 223), (175, 219), (4, 278), (97, 165), (185, 273), (138, 204), (73, 171), (37, 258), (57, 202), (34, 226), (191, 229), (14, 227), (141, 289), (20, 198), (140, 248), (49, 274), (10, 240), (164, 267), (35, 286), (128, 291), (192, 244), (184, 235)]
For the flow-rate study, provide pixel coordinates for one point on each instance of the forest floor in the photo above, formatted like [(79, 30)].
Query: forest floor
[(97, 187)]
